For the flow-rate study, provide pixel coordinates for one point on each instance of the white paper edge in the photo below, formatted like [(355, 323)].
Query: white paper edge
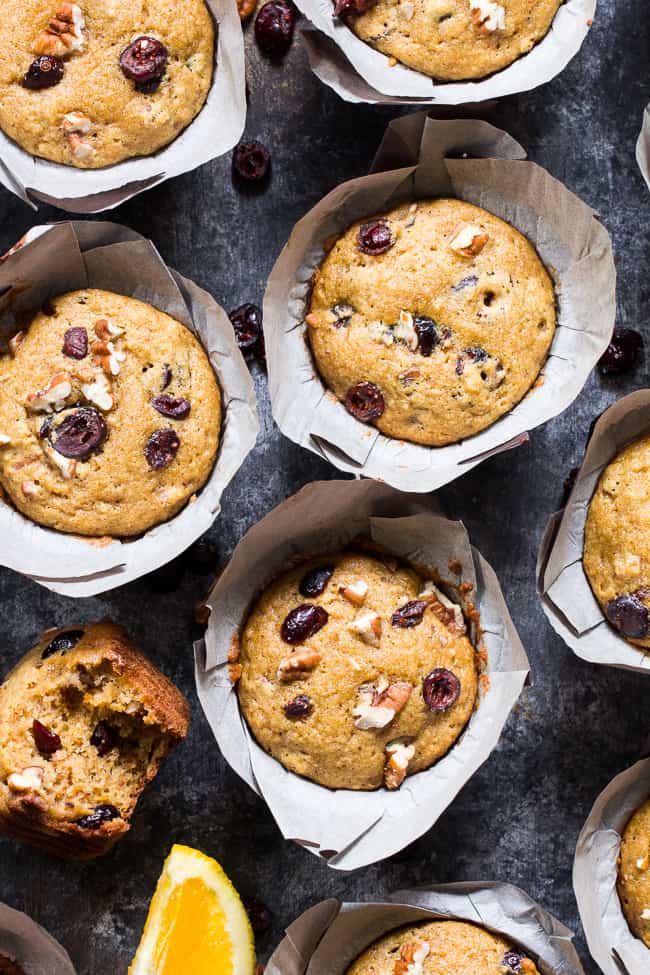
[(643, 147), (214, 131), (499, 907), (380, 836), (122, 562), (301, 404), (26, 942), (364, 74), (600, 643), (611, 942)]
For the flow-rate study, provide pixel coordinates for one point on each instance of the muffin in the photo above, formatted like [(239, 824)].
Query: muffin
[(9, 967), (441, 947), (354, 672), (109, 416), (85, 722), (451, 40), (634, 873), (616, 556), (431, 321), (94, 83)]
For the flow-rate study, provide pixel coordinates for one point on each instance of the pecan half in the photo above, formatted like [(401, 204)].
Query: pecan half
[(64, 33), (367, 626), (355, 592), (447, 612), (53, 397), (299, 665), (380, 703), (411, 958), (468, 240)]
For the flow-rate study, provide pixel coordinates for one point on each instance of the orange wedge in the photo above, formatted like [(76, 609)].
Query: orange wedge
[(197, 925)]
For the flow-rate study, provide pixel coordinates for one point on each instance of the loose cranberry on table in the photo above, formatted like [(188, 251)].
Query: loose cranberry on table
[(247, 323), (251, 161), (274, 26), (259, 915), (44, 72), (202, 557), (168, 577), (621, 353)]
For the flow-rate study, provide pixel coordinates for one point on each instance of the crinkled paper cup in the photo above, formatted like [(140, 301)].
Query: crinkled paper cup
[(214, 131), (326, 939), (359, 73), (63, 257), (567, 598), (595, 871), (572, 243), (352, 829), (643, 147), (29, 945)]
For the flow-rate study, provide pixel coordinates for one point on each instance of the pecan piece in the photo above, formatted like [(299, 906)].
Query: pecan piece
[(299, 665), (355, 592), (398, 756), (53, 397), (367, 625), (380, 703), (411, 957), (488, 17), (468, 240), (15, 343), (447, 612), (64, 33)]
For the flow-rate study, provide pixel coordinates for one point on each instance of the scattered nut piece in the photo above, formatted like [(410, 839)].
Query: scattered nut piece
[(411, 958), (380, 703), (15, 343), (29, 780), (299, 665), (29, 489), (488, 17), (65, 465), (64, 33), (398, 756), (53, 397), (643, 863), (468, 240), (405, 332), (447, 612), (76, 122), (99, 391), (106, 330), (627, 564), (106, 355), (367, 625), (355, 592)]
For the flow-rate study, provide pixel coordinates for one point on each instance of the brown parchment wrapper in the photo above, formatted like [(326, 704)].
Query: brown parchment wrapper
[(215, 130), (612, 944), (326, 939), (565, 231), (567, 599), (359, 73), (62, 257), (352, 829), (29, 945)]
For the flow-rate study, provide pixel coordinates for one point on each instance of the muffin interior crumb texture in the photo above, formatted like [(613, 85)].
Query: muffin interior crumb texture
[(634, 873), (355, 672), (68, 92), (616, 555), (110, 416), (442, 948), (431, 321), (454, 40)]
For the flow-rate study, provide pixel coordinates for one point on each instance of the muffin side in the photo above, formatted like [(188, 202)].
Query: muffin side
[(634, 873)]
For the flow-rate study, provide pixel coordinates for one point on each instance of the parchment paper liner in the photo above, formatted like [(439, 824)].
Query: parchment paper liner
[(643, 147), (567, 599), (359, 73), (329, 936), (73, 255), (352, 829), (610, 940), (213, 132), (26, 942), (565, 231)]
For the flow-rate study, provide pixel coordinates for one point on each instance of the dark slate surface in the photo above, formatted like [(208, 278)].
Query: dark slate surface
[(574, 729)]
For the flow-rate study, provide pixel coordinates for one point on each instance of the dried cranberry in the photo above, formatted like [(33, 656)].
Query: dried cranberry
[(469, 282), (145, 62), (440, 689), (628, 614), (251, 160), (375, 238), (166, 376), (45, 740), (62, 642), (102, 814), (621, 353), (274, 26), (365, 402), (161, 448), (300, 707), (104, 737), (45, 427), (259, 915), (512, 962), (75, 343), (427, 333), (79, 434), (313, 583), (45, 72), (175, 407), (48, 308), (302, 622), (247, 323), (352, 7), (410, 614)]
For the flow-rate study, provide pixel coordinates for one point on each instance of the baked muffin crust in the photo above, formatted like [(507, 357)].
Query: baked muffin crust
[(450, 319), (634, 873), (346, 706)]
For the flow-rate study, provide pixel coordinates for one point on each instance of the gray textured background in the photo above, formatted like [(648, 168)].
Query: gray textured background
[(574, 729)]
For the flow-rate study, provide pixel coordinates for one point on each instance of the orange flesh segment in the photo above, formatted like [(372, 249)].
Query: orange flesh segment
[(181, 950)]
